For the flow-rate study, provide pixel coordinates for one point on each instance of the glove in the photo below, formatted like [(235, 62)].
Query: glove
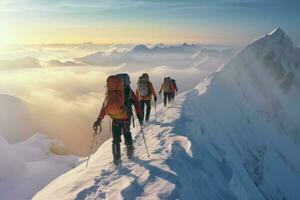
[(155, 99), (96, 124), (140, 118)]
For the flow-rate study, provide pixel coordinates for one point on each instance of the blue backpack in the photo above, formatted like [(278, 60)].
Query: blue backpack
[(126, 79)]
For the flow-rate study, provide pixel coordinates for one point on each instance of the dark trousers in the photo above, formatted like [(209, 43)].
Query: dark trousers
[(167, 96), (120, 127), (172, 96), (148, 105)]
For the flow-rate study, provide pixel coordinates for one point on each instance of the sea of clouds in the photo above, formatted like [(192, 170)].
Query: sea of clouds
[(64, 84)]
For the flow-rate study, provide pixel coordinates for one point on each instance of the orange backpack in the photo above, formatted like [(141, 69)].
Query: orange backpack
[(114, 104)]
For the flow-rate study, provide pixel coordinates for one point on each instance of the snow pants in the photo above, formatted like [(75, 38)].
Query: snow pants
[(172, 95), (146, 103), (167, 97), (119, 128)]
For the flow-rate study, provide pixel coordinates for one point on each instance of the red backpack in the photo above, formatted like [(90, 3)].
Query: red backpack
[(114, 104)]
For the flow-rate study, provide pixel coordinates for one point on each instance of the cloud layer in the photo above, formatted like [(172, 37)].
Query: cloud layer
[(66, 100), (27, 62)]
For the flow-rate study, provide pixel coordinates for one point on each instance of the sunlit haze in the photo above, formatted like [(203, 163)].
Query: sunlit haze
[(144, 21)]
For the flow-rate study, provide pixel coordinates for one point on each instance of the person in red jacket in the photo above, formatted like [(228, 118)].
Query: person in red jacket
[(174, 88), (121, 125)]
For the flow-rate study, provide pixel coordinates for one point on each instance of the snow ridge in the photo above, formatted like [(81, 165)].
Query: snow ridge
[(151, 179), (234, 136)]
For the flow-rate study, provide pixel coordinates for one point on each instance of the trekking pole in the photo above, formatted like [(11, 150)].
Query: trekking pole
[(155, 110), (133, 121), (94, 136), (142, 130)]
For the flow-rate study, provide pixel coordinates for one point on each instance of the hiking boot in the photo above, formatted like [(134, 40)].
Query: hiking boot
[(147, 119), (130, 151), (117, 162), (116, 153)]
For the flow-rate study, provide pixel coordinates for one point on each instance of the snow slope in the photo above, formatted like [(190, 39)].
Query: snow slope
[(28, 166), (10, 164), (234, 136), (16, 110)]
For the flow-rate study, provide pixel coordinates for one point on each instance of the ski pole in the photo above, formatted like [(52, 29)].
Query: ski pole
[(144, 140), (94, 136)]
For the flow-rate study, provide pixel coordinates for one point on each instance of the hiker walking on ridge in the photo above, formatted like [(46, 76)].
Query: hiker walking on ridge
[(145, 91), (174, 89), (167, 88), (118, 105)]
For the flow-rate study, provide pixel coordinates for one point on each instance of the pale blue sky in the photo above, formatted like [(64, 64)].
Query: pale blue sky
[(216, 21)]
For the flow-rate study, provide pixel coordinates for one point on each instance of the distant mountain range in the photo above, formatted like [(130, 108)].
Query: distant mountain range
[(178, 56)]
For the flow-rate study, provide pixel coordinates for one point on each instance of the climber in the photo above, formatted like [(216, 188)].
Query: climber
[(118, 105), (167, 88), (145, 91), (174, 88)]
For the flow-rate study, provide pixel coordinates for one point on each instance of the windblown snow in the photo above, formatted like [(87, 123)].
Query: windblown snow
[(235, 136), (28, 166)]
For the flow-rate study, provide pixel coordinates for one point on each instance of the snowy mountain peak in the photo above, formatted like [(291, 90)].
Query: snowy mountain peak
[(277, 32), (277, 39), (278, 35), (188, 45), (140, 48), (270, 68), (275, 53)]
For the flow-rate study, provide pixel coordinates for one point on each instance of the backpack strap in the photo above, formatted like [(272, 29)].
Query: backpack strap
[(133, 120), (127, 101)]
